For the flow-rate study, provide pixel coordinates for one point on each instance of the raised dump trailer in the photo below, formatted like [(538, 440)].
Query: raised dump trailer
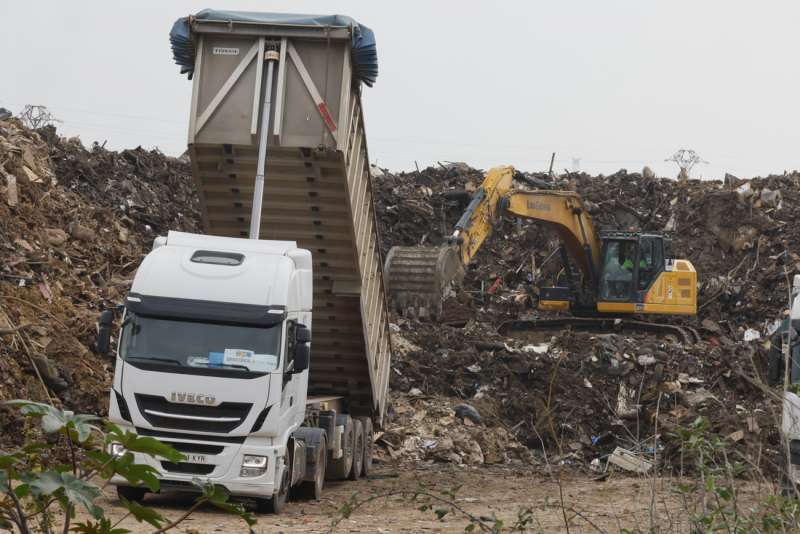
[(317, 188), (262, 350)]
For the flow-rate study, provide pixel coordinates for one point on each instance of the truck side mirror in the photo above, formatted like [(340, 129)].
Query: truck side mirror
[(104, 332), (301, 356), (302, 334)]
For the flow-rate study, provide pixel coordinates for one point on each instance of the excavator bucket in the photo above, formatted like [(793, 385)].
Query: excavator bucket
[(417, 278)]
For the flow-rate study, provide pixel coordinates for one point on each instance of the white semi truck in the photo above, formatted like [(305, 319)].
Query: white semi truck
[(215, 354)]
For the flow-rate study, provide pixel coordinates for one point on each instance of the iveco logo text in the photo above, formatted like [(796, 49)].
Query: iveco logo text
[(224, 51), (192, 398)]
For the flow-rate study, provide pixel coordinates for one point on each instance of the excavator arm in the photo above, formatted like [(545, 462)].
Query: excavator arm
[(477, 221)]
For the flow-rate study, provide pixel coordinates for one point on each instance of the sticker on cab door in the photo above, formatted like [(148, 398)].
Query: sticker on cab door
[(249, 359)]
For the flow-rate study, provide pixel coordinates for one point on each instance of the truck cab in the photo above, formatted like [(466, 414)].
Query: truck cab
[(213, 358)]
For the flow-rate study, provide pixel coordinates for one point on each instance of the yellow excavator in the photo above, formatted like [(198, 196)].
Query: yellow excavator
[(618, 272)]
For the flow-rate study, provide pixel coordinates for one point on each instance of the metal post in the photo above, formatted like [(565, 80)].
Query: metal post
[(271, 57)]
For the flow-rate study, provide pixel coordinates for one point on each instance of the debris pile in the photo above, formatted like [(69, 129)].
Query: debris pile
[(76, 221), (437, 429), (74, 224)]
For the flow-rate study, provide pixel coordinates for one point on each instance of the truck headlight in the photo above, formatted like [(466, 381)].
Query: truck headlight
[(116, 449), (253, 466)]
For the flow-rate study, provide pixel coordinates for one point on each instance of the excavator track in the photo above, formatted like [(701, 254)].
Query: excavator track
[(417, 278), (685, 334)]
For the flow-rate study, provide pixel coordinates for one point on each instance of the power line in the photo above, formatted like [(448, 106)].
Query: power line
[(117, 129), (107, 113)]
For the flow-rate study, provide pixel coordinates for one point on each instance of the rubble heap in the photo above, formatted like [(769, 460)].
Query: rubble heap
[(74, 224), (76, 221)]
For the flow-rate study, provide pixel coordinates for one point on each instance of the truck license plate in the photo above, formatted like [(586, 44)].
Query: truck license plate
[(196, 458)]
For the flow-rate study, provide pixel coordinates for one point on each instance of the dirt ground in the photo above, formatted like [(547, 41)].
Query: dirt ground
[(590, 506)]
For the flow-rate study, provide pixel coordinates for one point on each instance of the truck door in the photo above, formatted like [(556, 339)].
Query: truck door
[(289, 394)]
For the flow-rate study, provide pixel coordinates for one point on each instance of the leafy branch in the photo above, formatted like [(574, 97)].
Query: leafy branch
[(31, 482)]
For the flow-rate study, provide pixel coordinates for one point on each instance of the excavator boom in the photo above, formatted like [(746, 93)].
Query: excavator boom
[(564, 212)]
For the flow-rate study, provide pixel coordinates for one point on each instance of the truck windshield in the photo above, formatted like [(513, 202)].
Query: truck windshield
[(196, 344)]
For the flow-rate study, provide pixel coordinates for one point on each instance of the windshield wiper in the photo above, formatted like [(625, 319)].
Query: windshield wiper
[(234, 366), (146, 359)]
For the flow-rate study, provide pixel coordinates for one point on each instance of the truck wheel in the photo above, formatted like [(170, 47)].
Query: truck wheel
[(339, 469), (312, 489), (358, 450), (368, 445), (277, 503), (130, 493)]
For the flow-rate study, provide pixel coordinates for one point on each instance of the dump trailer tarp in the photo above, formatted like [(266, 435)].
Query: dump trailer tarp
[(365, 55)]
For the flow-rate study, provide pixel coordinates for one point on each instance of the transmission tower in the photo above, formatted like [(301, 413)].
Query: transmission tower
[(36, 117), (686, 159)]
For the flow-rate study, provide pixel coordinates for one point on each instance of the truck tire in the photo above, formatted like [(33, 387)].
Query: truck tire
[(358, 450), (130, 493), (368, 445), (277, 503), (339, 469), (312, 489)]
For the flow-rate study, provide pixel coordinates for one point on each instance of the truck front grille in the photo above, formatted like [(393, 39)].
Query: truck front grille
[(161, 413), (161, 435), (187, 468), (196, 448)]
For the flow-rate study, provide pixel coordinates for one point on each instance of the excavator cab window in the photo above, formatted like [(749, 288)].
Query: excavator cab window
[(651, 260), (619, 261)]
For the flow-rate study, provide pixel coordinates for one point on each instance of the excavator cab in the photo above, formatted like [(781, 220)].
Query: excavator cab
[(636, 277), (631, 263)]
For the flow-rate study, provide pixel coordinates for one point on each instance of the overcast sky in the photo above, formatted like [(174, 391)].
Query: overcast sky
[(611, 83)]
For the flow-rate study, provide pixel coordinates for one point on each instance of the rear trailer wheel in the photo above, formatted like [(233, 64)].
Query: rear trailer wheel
[(131, 493), (358, 450), (339, 468), (368, 444), (312, 489)]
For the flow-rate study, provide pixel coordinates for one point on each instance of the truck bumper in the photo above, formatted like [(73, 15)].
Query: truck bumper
[(222, 468)]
